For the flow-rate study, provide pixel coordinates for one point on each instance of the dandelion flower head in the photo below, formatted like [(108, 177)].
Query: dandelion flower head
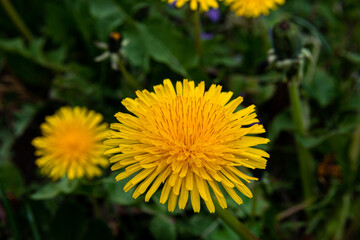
[(253, 8), (71, 144), (187, 140), (203, 5)]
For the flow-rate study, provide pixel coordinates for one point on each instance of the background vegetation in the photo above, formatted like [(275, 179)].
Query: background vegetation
[(53, 65)]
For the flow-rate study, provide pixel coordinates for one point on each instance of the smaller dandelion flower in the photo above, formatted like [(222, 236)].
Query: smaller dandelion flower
[(253, 8), (203, 5), (189, 141), (71, 144)]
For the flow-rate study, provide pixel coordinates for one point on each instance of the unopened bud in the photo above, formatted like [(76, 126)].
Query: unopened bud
[(114, 42), (286, 40)]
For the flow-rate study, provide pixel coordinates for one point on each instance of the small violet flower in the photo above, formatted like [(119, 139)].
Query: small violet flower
[(214, 15)]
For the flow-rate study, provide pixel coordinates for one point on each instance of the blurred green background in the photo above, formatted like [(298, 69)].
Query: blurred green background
[(53, 65)]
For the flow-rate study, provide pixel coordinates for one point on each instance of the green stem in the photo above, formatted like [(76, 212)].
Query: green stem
[(128, 76), (304, 156), (294, 209), (198, 44), (296, 107), (344, 213), (9, 213), (240, 229), (32, 222), (355, 224), (316, 54), (16, 19), (354, 151)]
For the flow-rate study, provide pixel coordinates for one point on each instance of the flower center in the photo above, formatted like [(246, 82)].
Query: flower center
[(74, 143), (188, 128)]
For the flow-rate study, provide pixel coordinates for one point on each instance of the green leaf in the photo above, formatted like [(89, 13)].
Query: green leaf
[(282, 122), (351, 57), (222, 233), (163, 228), (197, 224), (135, 51), (322, 88), (159, 50), (103, 9), (115, 191), (15, 45), (11, 178), (24, 117), (82, 19), (46, 192), (51, 189), (59, 24), (107, 16), (35, 52)]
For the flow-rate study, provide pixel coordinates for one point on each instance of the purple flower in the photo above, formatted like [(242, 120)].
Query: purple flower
[(214, 15), (207, 36), (173, 4)]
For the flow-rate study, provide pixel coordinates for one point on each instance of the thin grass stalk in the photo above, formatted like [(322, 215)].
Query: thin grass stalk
[(10, 214), (17, 20), (197, 27), (31, 219)]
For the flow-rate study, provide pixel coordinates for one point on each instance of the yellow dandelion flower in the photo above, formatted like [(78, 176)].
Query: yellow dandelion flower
[(71, 144), (203, 5), (253, 8), (189, 140)]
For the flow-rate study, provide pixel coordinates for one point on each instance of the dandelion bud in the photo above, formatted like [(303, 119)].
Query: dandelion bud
[(286, 40), (114, 42)]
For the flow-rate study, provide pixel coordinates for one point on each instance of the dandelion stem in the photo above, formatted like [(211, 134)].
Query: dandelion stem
[(128, 76), (9, 213), (16, 19), (30, 217), (304, 156), (198, 44), (296, 106), (241, 230)]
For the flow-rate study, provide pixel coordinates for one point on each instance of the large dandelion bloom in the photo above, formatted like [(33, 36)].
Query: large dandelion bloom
[(203, 5), (71, 144), (189, 140), (253, 8)]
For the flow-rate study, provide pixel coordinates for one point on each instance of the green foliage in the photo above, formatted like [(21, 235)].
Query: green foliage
[(57, 68), (162, 228), (11, 179), (52, 189), (115, 192)]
